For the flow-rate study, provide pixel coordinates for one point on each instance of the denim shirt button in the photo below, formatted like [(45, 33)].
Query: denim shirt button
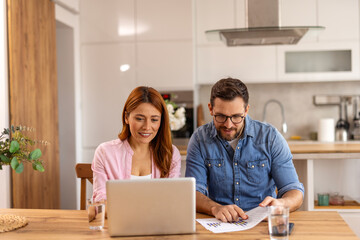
[(237, 183), (235, 164), (252, 166), (237, 199), (262, 165), (219, 164), (209, 165)]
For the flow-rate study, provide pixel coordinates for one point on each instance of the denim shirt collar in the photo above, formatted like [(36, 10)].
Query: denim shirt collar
[(248, 130)]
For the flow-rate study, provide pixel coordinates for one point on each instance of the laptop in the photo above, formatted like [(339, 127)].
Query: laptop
[(151, 206)]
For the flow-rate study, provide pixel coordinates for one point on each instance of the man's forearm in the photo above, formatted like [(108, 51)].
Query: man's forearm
[(204, 204), (293, 199)]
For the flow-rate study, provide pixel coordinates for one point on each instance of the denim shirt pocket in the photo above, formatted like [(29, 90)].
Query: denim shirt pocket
[(257, 170), (216, 169)]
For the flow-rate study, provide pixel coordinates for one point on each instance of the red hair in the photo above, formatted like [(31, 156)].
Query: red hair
[(161, 145)]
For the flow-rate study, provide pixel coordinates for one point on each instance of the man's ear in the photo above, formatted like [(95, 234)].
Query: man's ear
[(247, 110), (210, 109)]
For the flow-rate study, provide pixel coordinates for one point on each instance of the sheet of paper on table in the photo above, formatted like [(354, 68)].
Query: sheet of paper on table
[(256, 215)]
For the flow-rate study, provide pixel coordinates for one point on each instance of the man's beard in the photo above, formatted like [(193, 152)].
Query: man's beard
[(229, 138)]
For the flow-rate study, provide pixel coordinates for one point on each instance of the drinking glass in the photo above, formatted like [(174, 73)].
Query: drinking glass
[(278, 218), (323, 199), (96, 214)]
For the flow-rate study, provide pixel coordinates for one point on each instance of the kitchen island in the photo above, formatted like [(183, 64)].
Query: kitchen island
[(304, 155)]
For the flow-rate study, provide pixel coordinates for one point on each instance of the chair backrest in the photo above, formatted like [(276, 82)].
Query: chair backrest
[(84, 171)]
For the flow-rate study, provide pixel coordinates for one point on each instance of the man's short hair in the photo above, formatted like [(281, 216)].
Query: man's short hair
[(228, 89)]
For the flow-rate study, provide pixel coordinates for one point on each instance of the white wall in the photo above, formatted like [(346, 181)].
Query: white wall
[(4, 103), (69, 116), (66, 107)]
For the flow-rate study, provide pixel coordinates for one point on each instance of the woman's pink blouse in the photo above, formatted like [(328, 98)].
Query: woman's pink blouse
[(113, 160)]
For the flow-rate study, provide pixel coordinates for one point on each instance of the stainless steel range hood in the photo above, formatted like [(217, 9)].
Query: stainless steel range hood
[(263, 21)]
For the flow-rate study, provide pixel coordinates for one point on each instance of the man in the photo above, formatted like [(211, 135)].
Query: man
[(238, 162)]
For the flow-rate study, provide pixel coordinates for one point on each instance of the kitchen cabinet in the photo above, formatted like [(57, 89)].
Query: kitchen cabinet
[(171, 69), (153, 37), (300, 13), (251, 64), (163, 20), (105, 89), (321, 61), (214, 14), (107, 23), (164, 50), (340, 18)]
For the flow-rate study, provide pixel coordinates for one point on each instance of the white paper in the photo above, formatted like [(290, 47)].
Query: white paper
[(256, 215)]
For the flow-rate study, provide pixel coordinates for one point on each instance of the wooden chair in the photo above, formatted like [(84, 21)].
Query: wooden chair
[(84, 171)]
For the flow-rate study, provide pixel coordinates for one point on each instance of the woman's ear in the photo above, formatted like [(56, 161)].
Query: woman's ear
[(126, 118)]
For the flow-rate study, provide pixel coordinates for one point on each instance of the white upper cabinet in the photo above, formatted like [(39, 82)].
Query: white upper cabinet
[(107, 21), (322, 61), (250, 64), (165, 65), (215, 60), (213, 14), (163, 20), (299, 13), (341, 19), (164, 44), (331, 54)]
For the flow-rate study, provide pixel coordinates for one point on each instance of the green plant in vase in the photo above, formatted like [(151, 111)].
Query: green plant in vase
[(15, 149)]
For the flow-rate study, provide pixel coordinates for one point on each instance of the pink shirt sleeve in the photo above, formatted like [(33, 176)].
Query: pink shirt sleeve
[(99, 175), (112, 160)]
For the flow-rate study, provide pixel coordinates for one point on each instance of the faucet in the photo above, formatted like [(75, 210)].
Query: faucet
[(284, 126)]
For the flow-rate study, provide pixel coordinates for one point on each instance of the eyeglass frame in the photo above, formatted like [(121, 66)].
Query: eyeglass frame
[(226, 118)]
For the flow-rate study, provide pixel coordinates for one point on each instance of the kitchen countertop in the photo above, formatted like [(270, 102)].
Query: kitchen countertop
[(312, 147)]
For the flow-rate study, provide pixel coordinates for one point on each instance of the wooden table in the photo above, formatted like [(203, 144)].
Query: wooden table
[(72, 224)]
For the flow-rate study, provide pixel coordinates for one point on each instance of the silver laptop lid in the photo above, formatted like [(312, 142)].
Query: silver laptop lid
[(151, 206)]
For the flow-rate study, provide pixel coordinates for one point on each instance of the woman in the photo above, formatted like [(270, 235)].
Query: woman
[(143, 149)]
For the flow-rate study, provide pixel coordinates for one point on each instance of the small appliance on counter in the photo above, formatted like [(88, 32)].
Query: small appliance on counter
[(356, 119), (344, 129), (342, 125)]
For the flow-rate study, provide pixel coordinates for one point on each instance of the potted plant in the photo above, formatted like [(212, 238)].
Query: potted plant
[(15, 149)]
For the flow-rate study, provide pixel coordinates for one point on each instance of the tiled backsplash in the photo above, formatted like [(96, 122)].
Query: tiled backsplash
[(297, 98)]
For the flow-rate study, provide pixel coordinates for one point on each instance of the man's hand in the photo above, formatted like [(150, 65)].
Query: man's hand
[(228, 213), (292, 199), (270, 201)]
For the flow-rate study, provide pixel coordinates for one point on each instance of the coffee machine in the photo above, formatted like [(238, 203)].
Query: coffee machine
[(356, 119)]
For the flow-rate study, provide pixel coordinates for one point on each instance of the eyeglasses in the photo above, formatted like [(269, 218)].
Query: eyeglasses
[(234, 119)]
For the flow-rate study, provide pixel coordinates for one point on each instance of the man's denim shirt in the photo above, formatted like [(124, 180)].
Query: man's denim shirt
[(261, 162)]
